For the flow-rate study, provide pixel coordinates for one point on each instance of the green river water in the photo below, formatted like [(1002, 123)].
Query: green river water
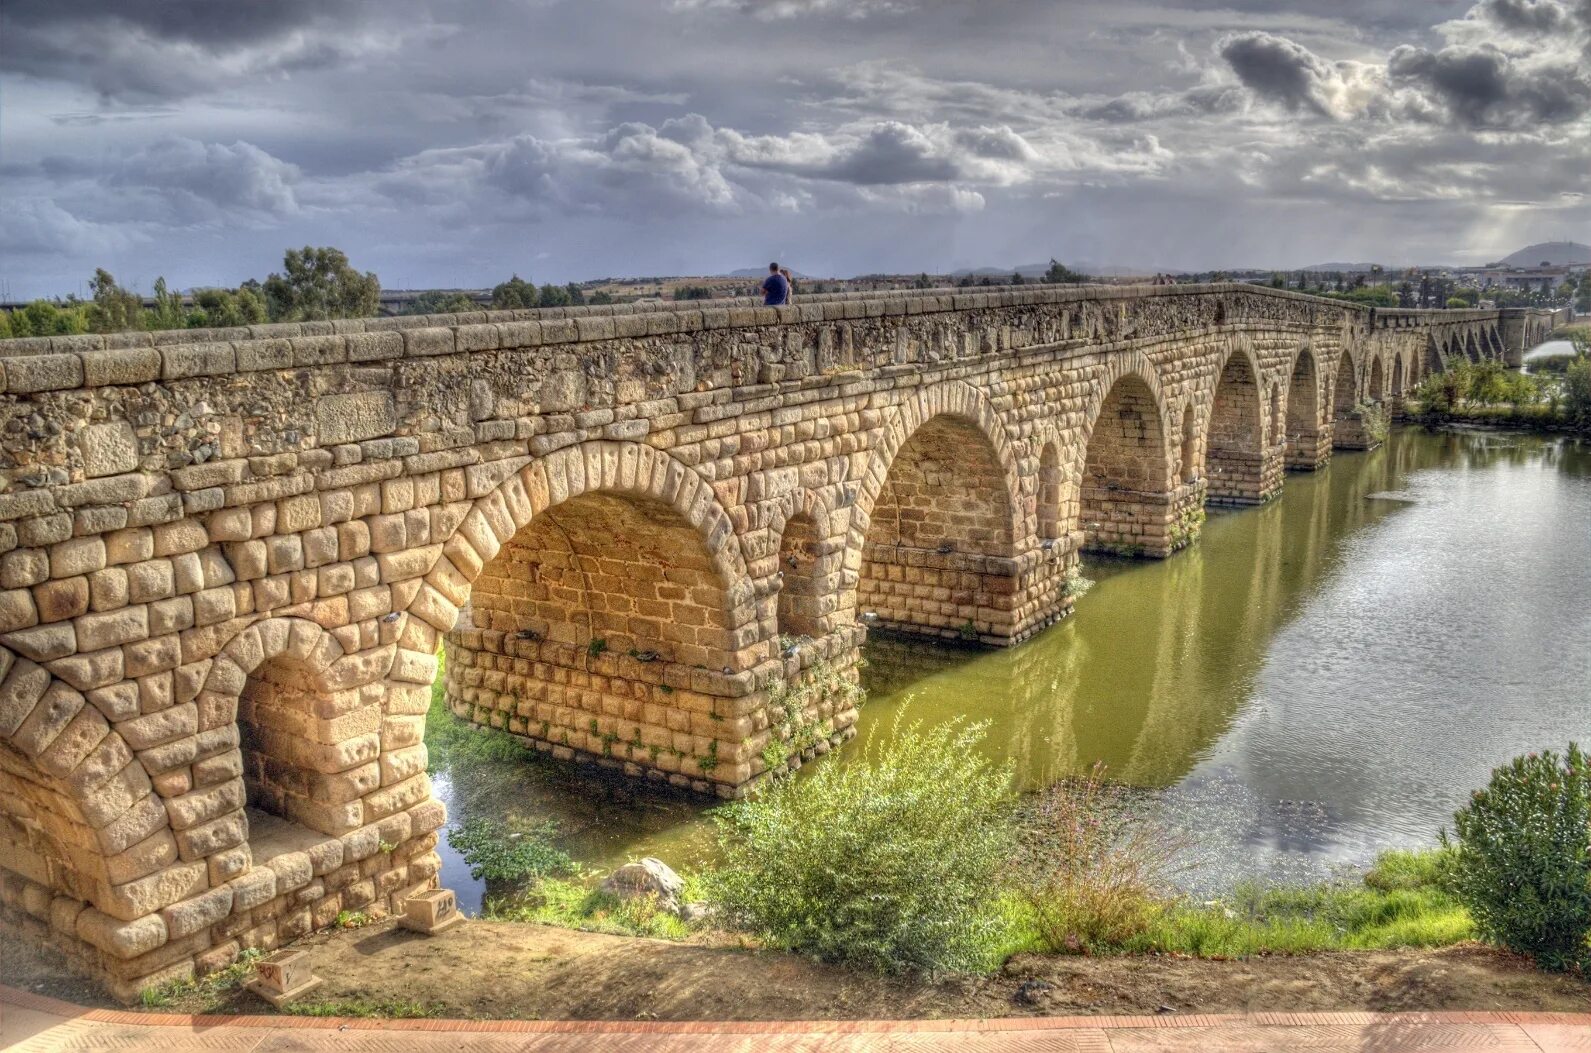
[(1312, 682)]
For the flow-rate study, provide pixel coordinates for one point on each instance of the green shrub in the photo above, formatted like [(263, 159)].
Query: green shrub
[(1522, 865), (1577, 392), (889, 861)]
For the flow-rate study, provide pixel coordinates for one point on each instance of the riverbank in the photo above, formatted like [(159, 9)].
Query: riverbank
[(501, 970)]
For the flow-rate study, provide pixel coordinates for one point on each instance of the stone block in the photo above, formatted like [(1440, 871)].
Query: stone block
[(432, 913), (350, 418), (108, 449), (122, 939), (283, 977)]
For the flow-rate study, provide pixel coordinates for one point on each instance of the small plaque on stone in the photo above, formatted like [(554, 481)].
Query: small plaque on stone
[(283, 977), (432, 912)]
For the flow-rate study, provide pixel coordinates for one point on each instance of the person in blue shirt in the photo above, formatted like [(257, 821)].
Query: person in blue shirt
[(775, 288)]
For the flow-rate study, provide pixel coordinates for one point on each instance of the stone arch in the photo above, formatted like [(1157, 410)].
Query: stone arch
[(1375, 388), (809, 568), (1471, 348), (937, 516), (1302, 433), (632, 541), (954, 399), (1435, 361), (1235, 445), (1397, 375), (617, 468), (78, 813), (1126, 481)]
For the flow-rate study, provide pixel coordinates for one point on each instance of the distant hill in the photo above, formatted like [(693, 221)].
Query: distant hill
[(762, 272), (1038, 270), (1552, 253), (1348, 267)]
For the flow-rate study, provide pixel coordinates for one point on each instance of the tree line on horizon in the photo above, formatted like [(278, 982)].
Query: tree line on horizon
[(315, 284)]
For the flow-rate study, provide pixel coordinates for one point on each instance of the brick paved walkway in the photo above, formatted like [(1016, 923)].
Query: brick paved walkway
[(33, 1024)]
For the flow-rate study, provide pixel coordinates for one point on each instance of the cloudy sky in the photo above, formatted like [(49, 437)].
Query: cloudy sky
[(452, 142)]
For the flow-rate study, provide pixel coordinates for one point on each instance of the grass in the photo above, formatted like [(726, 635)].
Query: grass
[(208, 988), (1400, 902), (572, 904)]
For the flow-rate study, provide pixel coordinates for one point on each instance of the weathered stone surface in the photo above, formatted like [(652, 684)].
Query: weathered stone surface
[(349, 418), (108, 449)]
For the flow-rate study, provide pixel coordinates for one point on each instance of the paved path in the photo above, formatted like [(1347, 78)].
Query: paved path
[(33, 1024)]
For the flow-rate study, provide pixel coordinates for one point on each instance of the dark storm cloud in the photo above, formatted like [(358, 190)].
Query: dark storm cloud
[(1483, 87), (1278, 69), (174, 48)]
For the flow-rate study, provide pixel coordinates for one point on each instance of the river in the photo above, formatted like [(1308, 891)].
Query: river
[(1314, 681)]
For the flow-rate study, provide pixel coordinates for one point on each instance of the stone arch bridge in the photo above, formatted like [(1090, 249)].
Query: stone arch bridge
[(650, 536)]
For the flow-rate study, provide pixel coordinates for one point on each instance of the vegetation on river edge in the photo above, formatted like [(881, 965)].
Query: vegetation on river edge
[(1557, 396), (917, 856)]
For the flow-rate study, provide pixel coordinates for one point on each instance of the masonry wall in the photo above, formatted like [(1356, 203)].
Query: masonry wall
[(228, 560)]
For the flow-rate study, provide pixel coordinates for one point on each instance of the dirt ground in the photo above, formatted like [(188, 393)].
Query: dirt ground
[(505, 970)]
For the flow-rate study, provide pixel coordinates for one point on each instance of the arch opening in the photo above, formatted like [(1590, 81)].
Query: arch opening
[(1126, 487), (1190, 445), (936, 558), (604, 626), (1377, 386), (1237, 461), (1049, 496), (309, 755), (1397, 377), (803, 588), (1305, 450)]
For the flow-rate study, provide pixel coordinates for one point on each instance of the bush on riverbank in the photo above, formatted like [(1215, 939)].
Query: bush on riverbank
[(888, 861), (1522, 863), (1091, 870), (1485, 392)]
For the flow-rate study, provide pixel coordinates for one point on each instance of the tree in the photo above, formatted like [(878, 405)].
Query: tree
[(224, 308), (1457, 302), (319, 284), (114, 309), (516, 292), (577, 295), (168, 312), (602, 296), (693, 292), (553, 296), (1060, 274), (1016, 278)]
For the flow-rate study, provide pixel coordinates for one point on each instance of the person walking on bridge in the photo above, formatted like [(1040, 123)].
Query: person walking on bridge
[(775, 288)]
